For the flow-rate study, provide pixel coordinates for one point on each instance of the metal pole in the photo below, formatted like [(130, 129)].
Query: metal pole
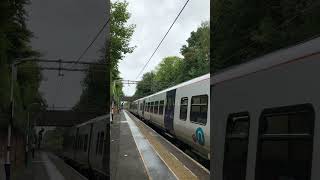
[(7, 164), (27, 140)]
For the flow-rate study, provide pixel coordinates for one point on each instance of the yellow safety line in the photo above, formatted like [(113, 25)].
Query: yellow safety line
[(174, 164)]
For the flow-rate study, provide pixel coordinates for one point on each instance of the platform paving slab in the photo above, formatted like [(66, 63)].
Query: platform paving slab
[(125, 160)]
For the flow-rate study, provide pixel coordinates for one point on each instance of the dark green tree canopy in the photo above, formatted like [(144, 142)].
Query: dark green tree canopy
[(245, 29), (99, 83), (15, 44)]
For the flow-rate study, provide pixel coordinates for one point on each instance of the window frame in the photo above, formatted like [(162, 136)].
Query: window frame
[(229, 138), (156, 107), (97, 142), (85, 147), (282, 110), (182, 105), (148, 110), (191, 106), (101, 143), (151, 107), (161, 105)]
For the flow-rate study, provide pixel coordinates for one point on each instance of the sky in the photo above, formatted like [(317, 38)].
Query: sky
[(152, 20), (62, 30)]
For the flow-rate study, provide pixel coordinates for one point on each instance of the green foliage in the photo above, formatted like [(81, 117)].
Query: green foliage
[(196, 54), (174, 70), (94, 94), (146, 85), (120, 35), (96, 84), (245, 29), (15, 44), (167, 72)]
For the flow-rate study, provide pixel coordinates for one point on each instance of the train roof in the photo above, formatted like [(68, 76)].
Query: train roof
[(270, 60), (96, 119), (197, 79)]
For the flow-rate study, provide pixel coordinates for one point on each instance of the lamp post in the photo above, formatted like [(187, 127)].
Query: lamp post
[(28, 130), (7, 165)]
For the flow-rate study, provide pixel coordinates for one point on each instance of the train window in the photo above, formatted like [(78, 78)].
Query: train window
[(156, 107), (199, 109), (101, 142), (236, 146), (78, 142), (161, 104), (285, 143), (141, 106), (79, 146), (85, 142), (151, 108), (183, 108), (74, 140), (97, 143), (147, 108)]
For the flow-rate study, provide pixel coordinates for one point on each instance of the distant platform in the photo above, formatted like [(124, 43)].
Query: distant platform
[(45, 166)]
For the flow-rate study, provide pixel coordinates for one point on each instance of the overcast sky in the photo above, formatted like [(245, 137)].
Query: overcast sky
[(62, 30), (152, 19)]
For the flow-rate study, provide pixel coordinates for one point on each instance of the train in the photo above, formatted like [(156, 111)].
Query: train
[(86, 147), (266, 117), (182, 112)]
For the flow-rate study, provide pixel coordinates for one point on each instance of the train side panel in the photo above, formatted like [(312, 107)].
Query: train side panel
[(289, 85), (154, 115), (193, 131), (98, 145)]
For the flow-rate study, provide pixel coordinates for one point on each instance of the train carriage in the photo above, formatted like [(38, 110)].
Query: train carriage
[(265, 117), (182, 112), (85, 145)]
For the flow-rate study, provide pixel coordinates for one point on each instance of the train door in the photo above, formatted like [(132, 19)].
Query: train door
[(169, 111)]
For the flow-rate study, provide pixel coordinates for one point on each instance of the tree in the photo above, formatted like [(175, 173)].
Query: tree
[(94, 97), (146, 85), (14, 44), (96, 84), (174, 70), (196, 54), (246, 29), (120, 35), (167, 72)]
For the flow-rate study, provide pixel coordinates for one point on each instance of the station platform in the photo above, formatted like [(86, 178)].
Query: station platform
[(45, 166), (138, 152)]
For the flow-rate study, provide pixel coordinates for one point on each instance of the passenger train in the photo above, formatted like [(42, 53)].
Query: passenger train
[(265, 117), (182, 112), (86, 146)]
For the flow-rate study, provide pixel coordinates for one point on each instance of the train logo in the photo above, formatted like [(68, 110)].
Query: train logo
[(198, 136)]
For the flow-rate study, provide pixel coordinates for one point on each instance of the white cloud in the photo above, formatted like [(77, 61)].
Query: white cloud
[(152, 19)]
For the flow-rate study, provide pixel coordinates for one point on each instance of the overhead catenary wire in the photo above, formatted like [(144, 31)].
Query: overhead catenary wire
[(93, 40), (185, 4), (80, 56)]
